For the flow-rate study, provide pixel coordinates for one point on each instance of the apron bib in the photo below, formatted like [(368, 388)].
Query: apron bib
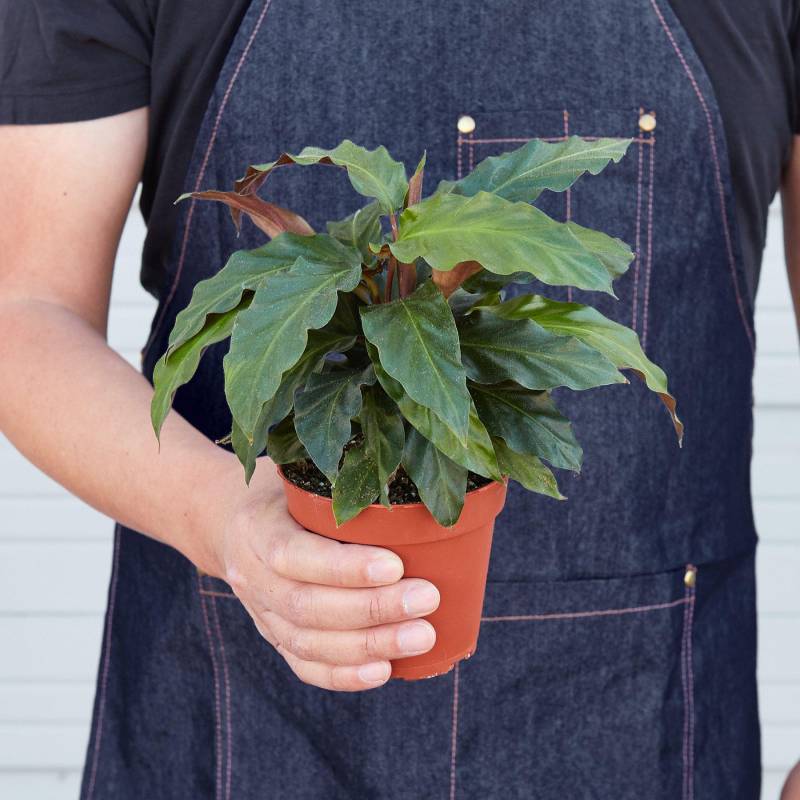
[(602, 669)]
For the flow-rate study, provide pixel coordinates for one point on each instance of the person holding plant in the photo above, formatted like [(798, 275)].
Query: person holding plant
[(617, 625)]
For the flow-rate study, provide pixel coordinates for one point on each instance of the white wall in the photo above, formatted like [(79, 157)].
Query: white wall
[(55, 555)]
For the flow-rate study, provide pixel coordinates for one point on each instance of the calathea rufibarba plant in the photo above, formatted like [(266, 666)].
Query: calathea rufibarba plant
[(387, 343)]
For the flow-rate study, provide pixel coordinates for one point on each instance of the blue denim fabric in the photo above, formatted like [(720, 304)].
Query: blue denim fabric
[(598, 674)]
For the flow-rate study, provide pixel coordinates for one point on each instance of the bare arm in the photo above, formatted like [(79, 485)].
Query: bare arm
[(790, 199), (81, 413)]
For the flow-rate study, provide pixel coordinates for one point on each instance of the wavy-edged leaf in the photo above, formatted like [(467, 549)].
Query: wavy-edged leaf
[(529, 422), (245, 269), (477, 454), (373, 173), (524, 173), (334, 338), (495, 349), (611, 252), (384, 436), (527, 470), (441, 482), (417, 342), (357, 485), (175, 369), (485, 281), (322, 414), (504, 237), (359, 230), (271, 335), (283, 444), (268, 217), (616, 342)]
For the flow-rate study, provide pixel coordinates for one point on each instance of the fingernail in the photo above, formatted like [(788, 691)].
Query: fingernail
[(376, 672), (416, 638), (421, 600), (385, 569)]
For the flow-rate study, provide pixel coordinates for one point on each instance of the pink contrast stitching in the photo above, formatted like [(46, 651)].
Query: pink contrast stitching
[(106, 662), (454, 734), (211, 593), (201, 175), (459, 158), (217, 705), (638, 232), (523, 139), (649, 269), (228, 723), (717, 171), (471, 153), (687, 683), (608, 612)]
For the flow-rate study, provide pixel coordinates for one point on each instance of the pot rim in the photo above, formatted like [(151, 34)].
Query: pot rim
[(395, 507), (406, 523)]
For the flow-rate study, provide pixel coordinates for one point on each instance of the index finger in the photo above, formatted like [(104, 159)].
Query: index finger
[(310, 558)]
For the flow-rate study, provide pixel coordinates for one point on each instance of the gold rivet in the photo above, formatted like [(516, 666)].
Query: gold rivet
[(690, 577), (647, 122), (466, 124)]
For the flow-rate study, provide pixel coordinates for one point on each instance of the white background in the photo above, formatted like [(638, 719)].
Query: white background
[(55, 556)]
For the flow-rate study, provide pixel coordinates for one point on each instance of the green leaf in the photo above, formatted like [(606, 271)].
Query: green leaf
[(527, 470), (373, 173), (529, 422), (485, 281), (283, 444), (611, 252), (357, 485), (359, 230), (333, 338), (441, 483), (384, 436), (502, 236), (616, 342), (175, 369), (245, 269), (523, 174), (270, 336), (495, 349), (417, 341), (477, 454), (322, 414)]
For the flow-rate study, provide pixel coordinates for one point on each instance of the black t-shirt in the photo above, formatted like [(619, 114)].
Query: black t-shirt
[(85, 59)]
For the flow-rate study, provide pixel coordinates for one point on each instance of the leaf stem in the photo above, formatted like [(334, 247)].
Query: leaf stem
[(387, 293)]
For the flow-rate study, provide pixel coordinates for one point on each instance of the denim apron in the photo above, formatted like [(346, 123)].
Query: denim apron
[(617, 649)]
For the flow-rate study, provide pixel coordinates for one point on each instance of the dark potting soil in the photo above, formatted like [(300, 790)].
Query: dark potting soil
[(402, 490)]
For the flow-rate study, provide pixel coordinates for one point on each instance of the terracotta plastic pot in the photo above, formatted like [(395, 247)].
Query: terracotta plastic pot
[(455, 560)]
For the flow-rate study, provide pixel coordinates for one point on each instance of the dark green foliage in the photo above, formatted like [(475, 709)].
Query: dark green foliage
[(388, 341)]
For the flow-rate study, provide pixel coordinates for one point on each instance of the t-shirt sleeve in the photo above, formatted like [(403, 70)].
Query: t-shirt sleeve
[(68, 61)]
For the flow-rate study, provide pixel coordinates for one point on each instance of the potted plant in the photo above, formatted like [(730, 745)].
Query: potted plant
[(383, 367)]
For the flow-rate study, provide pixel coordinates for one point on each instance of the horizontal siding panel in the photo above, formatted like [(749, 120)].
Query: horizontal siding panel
[(53, 578), (777, 569), (777, 381), (38, 785), (46, 702), (61, 518), (777, 520), (779, 650), (776, 332), (27, 746), (50, 649)]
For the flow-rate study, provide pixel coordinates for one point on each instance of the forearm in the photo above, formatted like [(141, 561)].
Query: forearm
[(81, 413)]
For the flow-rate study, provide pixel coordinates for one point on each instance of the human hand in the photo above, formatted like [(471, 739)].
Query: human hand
[(336, 612)]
